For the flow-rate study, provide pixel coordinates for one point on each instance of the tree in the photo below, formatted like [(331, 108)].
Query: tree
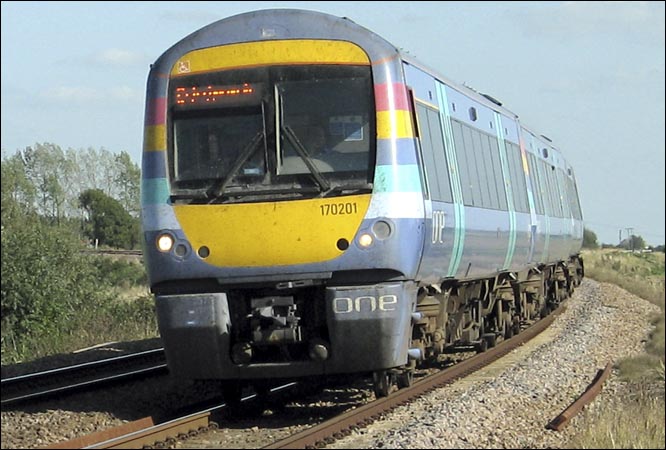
[(636, 243), (48, 180), (108, 223), (18, 193), (633, 242), (589, 239), (128, 181), (50, 172)]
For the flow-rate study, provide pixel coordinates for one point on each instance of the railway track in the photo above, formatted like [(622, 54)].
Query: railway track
[(39, 386), (507, 405), (146, 433), (112, 252)]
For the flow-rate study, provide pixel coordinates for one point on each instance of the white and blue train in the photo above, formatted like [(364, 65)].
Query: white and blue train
[(316, 202)]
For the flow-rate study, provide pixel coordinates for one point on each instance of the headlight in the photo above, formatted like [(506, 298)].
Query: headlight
[(164, 242), (381, 229), (365, 240)]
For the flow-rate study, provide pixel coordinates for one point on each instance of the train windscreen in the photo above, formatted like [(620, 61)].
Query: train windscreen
[(273, 132)]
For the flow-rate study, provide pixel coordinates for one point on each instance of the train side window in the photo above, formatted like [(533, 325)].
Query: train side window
[(512, 176), (564, 194), (437, 139), (534, 181), (576, 198), (463, 171), (517, 177), (474, 169), (552, 191), (556, 191), (482, 172), (426, 150), (540, 192), (496, 190), (497, 169), (467, 173), (571, 195), (480, 167), (434, 155)]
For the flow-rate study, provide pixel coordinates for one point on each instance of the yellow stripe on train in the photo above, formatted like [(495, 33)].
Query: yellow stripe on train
[(274, 233), (394, 124), (154, 138), (302, 51)]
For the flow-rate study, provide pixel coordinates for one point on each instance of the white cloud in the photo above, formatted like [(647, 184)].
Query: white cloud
[(192, 16), (119, 57), (125, 93), (82, 95), (76, 94), (638, 20)]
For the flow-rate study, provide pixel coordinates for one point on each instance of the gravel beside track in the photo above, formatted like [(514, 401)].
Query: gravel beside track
[(506, 405), (509, 403)]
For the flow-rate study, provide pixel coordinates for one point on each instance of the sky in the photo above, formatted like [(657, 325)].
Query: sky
[(589, 75)]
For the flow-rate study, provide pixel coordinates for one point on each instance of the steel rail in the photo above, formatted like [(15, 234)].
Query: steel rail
[(586, 397), (145, 432), (12, 384), (317, 435), (340, 426)]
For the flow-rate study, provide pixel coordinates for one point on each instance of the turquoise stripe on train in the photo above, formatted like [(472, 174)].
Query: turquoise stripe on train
[(154, 191), (397, 178), (404, 178)]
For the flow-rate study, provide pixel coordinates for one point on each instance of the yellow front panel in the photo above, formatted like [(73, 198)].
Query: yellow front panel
[(251, 54), (276, 233)]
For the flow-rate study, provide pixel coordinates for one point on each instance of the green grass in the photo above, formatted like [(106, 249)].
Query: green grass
[(637, 421)]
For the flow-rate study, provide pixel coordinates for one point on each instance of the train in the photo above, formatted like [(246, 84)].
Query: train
[(316, 202)]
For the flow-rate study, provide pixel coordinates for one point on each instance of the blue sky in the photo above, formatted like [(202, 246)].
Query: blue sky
[(590, 75)]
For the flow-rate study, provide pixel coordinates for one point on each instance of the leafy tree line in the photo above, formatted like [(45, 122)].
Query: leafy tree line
[(93, 191), (633, 242), (54, 297)]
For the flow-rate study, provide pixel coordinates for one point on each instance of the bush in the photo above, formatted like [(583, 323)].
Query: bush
[(119, 273), (46, 283), (589, 239)]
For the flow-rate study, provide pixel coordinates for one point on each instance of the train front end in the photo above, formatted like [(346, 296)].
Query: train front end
[(282, 211)]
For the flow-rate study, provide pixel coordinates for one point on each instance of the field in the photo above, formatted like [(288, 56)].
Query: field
[(636, 420)]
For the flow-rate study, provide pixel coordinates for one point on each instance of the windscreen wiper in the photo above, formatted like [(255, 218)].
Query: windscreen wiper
[(198, 196), (357, 188), (218, 188), (307, 159), (245, 196)]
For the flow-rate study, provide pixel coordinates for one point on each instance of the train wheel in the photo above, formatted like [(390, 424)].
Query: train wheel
[(262, 390), (405, 379), (382, 381), (491, 339), (516, 325), (482, 346), (232, 392)]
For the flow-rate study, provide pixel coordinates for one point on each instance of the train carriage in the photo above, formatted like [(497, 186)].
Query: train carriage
[(315, 202)]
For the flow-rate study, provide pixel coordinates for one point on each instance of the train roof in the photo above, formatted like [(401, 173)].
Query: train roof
[(271, 24), (287, 23), (482, 98)]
